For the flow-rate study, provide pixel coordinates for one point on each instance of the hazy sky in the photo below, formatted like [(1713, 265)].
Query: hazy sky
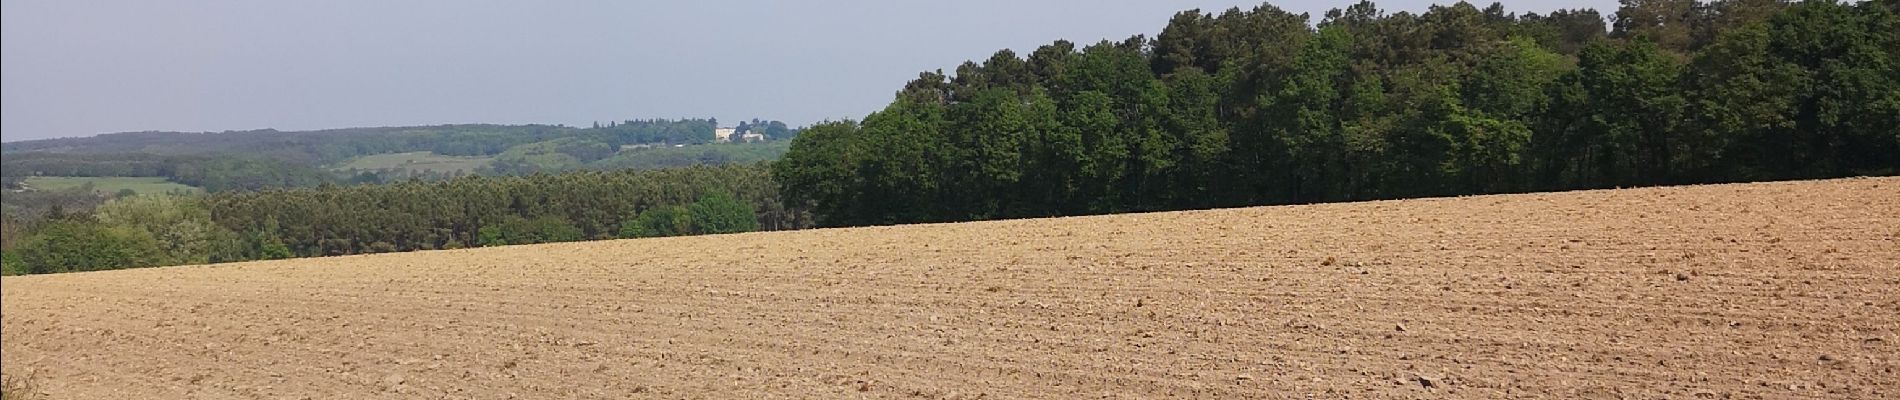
[(76, 68)]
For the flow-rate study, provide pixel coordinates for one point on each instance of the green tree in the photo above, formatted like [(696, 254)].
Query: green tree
[(1487, 152), (1305, 130), (819, 171), (75, 245), (10, 264), (491, 235), (1055, 156), (269, 246), (900, 161), (1667, 23), (517, 230), (1565, 31), (1152, 151), (1200, 137), (1090, 117), (985, 148), (1618, 125), (181, 224), (1848, 100), (1182, 42), (1510, 81), (719, 212), (1424, 136), (658, 222), (1742, 102), (1492, 132)]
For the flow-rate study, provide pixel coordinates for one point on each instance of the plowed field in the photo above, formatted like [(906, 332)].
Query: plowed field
[(1775, 290)]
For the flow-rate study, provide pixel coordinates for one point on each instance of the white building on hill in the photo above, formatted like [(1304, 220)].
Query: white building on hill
[(723, 134)]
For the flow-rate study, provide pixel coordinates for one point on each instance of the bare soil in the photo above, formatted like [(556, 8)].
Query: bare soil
[(1774, 290)]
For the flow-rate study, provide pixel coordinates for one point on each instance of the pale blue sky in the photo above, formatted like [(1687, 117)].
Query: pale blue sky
[(76, 68)]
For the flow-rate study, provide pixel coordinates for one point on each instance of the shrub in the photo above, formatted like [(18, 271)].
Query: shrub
[(659, 221), (68, 246), (181, 224), (517, 230), (719, 212), (10, 264)]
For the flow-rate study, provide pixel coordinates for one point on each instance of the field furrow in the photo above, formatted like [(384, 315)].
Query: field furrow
[(1771, 290)]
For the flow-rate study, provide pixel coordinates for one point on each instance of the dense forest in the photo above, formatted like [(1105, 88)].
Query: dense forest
[(1266, 107), (153, 230)]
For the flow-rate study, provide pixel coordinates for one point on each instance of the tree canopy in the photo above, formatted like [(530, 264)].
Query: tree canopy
[(1263, 106)]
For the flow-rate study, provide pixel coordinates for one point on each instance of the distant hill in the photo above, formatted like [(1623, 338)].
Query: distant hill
[(268, 158), (304, 147)]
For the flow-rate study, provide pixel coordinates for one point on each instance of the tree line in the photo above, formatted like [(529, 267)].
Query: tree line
[(321, 147), (1261, 107), (308, 148), (212, 173), (153, 230), (337, 220)]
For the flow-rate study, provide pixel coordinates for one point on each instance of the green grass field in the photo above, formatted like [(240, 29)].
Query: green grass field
[(142, 185), (415, 162)]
